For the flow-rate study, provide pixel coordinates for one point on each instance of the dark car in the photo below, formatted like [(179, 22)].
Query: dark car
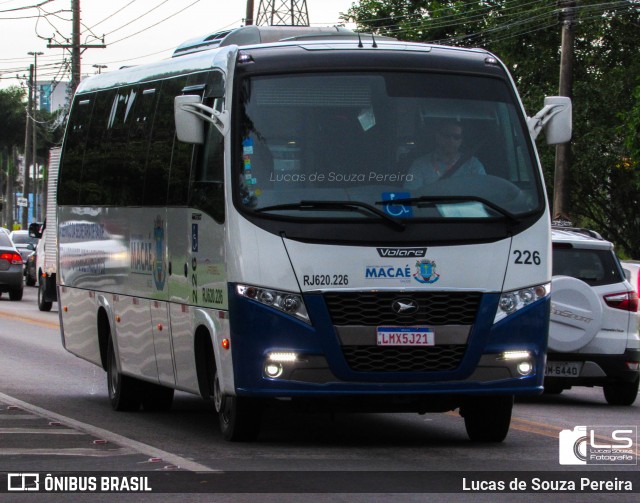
[(26, 246), (11, 268), (31, 272)]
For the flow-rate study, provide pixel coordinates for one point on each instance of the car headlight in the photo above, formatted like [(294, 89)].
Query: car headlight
[(513, 301), (286, 302)]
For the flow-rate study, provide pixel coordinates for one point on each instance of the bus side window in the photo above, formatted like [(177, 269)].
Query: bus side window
[(70, 173), (139, 136), (123, 186), (92, 190), (207, 187), (180, 174), (161, 143)]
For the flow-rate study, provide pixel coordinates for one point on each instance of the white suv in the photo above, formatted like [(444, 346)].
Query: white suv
[(593, 334)]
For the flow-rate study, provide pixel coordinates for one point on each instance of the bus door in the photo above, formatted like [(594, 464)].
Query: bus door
[(189, 206)]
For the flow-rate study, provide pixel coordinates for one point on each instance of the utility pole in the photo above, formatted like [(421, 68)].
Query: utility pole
[(282, 13), (248, 18), (75, 45), (561, 206), (10, 194), (27, 151), (34, 131)]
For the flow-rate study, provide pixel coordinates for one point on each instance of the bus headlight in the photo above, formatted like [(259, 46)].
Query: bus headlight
[(286, 302), (511, 302)]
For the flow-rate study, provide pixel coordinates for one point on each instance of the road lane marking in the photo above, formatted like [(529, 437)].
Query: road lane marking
[(110, 436), (32, 321), (93, 453), (40, 431)]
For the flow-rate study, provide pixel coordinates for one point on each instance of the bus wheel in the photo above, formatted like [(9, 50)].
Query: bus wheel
[(156, 398), (239, 416), (487, 419), (43, 305), (125, 393)]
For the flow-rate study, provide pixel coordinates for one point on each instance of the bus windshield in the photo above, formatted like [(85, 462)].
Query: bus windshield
[(408, 145)]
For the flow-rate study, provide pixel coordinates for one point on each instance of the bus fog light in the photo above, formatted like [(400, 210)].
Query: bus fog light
[(525, 368), (282, 356), (273, 370), (516, 355)]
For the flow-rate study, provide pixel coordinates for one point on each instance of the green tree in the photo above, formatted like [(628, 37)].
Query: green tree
[(12, 116), (12, 121), (525, 34)]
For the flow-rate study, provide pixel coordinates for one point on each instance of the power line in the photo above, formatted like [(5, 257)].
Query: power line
[(36, 6), (111, 15), (155, 24), (139, 17)]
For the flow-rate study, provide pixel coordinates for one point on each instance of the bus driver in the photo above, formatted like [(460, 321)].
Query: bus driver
[(445, 160)]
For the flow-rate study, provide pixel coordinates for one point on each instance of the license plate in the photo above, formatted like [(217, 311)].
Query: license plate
[(405, 336), (563, 369)]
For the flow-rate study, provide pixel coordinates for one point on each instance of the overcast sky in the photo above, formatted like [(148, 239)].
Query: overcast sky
[(135, 32)]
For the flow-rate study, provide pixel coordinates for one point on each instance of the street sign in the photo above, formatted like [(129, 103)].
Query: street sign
[(22, 201)]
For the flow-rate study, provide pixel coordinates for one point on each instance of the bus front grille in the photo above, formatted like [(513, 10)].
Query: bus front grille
[(376, 308), (404, 359)]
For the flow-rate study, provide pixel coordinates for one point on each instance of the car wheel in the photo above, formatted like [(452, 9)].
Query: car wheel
[(30, 281), (239, 417), (125, 393), (16, 294), (487, 419), (621, 393), (43, 305)]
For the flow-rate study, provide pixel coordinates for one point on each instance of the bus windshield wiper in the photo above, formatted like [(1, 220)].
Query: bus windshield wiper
[(423, 201), (355, 206)]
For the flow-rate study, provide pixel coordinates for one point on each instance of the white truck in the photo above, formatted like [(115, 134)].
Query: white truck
[(46, 255)]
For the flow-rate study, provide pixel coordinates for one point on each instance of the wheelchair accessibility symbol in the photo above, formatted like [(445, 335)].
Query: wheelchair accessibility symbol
[(397, 210)]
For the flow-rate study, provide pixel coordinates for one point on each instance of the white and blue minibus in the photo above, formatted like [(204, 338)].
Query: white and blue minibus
[(247, 221)]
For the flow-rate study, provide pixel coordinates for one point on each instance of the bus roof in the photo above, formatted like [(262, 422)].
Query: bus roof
[(204, 53)]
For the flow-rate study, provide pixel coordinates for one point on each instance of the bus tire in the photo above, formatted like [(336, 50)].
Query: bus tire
[(239, 417), (43, 305), (487, 419), (156, 398), (125, 393)]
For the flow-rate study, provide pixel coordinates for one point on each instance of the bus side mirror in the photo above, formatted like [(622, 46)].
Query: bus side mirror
[(554, 118), (190, 114), (189, 127)]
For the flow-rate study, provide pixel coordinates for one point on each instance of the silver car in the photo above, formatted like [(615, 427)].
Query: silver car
[(11, 268)]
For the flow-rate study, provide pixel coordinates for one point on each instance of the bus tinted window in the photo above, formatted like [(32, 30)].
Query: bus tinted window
[(97, 153), (69, 182), (122, 182), (168, 174), (156, 180)]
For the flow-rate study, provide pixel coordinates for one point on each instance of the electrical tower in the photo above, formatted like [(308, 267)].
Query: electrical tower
[(282, 13)]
